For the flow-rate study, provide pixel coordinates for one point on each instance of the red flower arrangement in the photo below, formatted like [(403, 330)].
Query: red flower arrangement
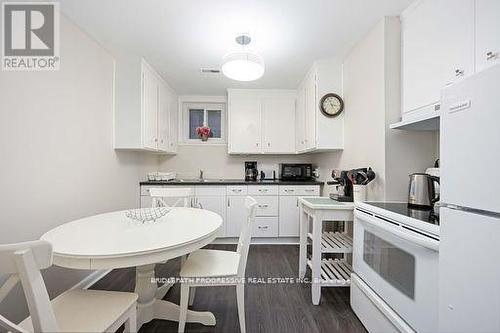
[(203, 132)]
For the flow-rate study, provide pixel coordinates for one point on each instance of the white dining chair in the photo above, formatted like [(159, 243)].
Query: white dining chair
[(72, 311), (228, 267), (163, 196)]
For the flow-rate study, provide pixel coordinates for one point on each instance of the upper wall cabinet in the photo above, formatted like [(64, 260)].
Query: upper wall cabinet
[(145, 108), (487, 33), (315, 131), (437, 49), (261, 121)]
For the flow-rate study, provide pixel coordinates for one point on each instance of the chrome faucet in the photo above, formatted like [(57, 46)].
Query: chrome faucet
[(201, 174)]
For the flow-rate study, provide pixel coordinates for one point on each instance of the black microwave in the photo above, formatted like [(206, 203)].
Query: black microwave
[(296, 171)]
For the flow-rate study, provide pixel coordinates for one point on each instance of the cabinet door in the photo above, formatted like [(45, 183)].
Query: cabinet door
[(164, 102), (300, 119), (245, 124), (437, 48), (172, 140), (149, 109), (311, 108), (236, 215), (278, 124), (216, 204), (289, 216), (487, 33)]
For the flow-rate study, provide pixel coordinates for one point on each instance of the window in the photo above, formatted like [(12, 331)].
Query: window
[(203, 114)]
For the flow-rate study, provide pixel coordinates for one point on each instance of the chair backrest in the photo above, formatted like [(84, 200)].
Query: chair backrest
[(246, 235), (23, 262), (164, 196)]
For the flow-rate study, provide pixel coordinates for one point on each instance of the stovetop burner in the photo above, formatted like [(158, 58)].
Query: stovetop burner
[(425, 215)]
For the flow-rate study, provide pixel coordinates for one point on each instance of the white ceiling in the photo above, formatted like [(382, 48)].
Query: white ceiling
[(179, 36)]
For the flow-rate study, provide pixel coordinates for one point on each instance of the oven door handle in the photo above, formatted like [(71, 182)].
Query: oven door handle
[(398, 231)]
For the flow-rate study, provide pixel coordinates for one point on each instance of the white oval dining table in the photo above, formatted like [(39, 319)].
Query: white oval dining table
[(112, 240)]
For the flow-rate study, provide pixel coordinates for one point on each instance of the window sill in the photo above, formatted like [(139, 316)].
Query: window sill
[(201, 143)]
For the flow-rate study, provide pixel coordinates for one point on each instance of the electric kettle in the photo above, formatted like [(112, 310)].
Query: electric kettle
[(422, 190)]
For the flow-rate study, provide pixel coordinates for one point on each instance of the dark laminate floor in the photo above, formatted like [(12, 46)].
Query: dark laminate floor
[(269, 307)]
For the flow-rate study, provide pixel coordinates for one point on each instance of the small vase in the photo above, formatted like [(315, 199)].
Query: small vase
[(204, 137)]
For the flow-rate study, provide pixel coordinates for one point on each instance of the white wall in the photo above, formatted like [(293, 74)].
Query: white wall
[(371, 76), (217, 163), (57, 160)]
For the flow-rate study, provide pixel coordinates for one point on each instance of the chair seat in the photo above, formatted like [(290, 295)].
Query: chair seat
[(211, 263), (87, 310)]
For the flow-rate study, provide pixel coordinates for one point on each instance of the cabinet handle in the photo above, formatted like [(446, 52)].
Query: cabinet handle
[(269, 144), (261, 227), (161, 140), (257, 144), (263, 206), (459, 72), (289, 191), (297, 202), (228, 202), (236, 191), (262, 190), (491, 55), (155, 139), (309, 190)]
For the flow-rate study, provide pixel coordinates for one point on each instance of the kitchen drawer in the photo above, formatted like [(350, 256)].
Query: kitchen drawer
[(237, 190), (209, 191), (267, 205), (145, 189), (262, 190), (265, 227), (299, 190)]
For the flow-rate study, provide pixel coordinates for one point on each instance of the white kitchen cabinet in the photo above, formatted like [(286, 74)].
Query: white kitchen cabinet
[(258, 120), (265, 227), (289, 216), (315, 131), (150, 108), (437, 49), (216, 204), (487, 33), (278, 123), (145, 116), (236, 215), (267, 205), (277, 212), (312, 105), (300, 118), (244, 123), (289, 207)]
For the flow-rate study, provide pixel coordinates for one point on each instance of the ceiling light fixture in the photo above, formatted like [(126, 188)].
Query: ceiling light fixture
[(243, 65)]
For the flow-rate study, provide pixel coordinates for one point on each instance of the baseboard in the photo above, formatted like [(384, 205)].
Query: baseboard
[(92, 278), (260, 241)]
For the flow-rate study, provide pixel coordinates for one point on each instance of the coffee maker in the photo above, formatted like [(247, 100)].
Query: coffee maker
[(344, 186), (251, 171)]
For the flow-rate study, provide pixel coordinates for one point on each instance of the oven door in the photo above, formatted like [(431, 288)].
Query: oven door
[(401, 266)]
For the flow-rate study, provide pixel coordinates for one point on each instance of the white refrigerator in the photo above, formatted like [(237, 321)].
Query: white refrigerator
[(469, 253)]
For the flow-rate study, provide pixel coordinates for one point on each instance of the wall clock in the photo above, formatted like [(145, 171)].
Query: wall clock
[(331, 105)]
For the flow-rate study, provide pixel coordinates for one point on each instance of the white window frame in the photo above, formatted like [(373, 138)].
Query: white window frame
[(186, 106)]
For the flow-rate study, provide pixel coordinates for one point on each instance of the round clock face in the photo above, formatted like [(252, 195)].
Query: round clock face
[(331, 105)]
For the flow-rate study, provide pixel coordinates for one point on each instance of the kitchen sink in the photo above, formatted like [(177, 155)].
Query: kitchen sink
[(197, 180)]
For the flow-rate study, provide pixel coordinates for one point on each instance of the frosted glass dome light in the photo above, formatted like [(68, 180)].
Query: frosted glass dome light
[(243, 66)]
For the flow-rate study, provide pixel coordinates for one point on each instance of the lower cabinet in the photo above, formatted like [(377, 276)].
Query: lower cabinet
[(216, 204), (265, 227), (289, 216), (236, 215), (277, 207)]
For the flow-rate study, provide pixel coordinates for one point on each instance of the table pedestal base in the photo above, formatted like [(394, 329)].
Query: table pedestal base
[(150, 305)]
